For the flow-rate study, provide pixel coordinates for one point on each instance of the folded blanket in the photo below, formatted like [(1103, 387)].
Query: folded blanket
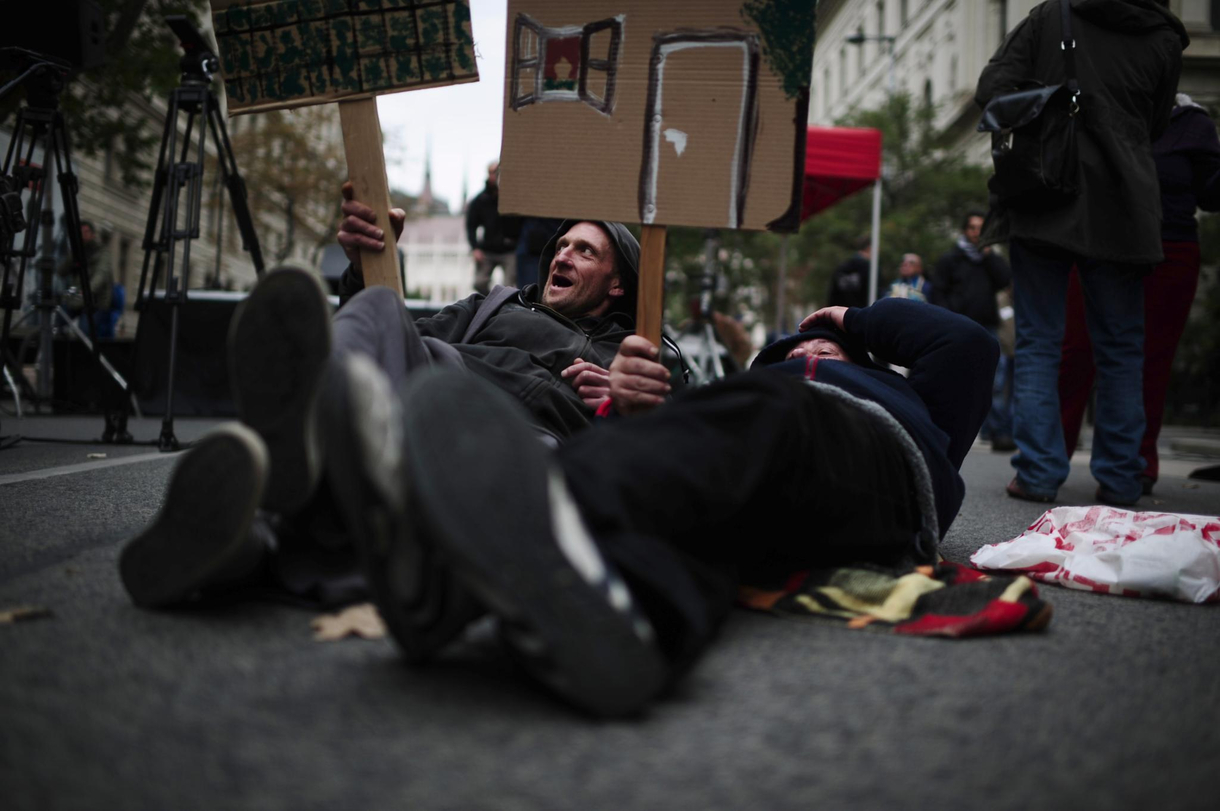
[(947, 599)]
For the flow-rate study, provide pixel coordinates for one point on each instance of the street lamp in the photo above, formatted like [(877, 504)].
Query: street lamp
[(859, 38)]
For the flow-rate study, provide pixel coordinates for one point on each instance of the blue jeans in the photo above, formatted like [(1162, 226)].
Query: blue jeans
[(998, 424), (1114, 313)]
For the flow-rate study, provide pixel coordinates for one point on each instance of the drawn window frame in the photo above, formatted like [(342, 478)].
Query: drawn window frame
[(528, 31)]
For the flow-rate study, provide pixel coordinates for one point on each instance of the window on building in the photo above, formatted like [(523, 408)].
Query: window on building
[(571, 63), (903, 13), (953, 73), (881, 18), (1216, 15), (842, 71), (927, 92), (860, 51), (826, 88)]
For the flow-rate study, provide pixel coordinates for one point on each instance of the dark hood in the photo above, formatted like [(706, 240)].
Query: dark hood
[(777, 350), (1130, 16), (625, 246)]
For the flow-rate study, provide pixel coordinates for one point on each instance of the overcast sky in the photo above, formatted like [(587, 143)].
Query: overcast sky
[(463, 122)]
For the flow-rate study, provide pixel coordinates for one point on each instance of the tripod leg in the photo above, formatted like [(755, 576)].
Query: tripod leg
[(237, 189)]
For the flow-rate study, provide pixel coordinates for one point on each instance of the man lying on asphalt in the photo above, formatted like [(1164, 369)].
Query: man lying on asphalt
[(611, 561), (547, 347)]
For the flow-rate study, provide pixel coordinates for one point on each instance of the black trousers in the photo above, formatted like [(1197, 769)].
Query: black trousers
[(748, 479)]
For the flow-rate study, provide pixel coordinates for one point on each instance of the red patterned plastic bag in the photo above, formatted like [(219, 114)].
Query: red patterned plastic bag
[(1111, 551)]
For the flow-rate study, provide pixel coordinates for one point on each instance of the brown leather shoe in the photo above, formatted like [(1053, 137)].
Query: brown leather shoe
[(1015, 490)]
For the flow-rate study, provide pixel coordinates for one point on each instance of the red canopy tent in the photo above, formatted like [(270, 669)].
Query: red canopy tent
[(839, 161)]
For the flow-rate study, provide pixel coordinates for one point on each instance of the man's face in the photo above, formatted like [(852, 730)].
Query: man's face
[(974, 227), (86, 234), (820, 348), (581, 279), (493, 174), (911, 266)]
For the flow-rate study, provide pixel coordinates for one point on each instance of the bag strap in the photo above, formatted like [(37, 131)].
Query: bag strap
[(1068, 46)]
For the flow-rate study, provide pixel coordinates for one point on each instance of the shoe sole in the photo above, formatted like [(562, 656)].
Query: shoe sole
[(423, 606), (278, 347), (209, 506), (482, 489)]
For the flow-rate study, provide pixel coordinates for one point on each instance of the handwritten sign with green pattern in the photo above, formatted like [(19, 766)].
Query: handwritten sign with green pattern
[(277, 54)]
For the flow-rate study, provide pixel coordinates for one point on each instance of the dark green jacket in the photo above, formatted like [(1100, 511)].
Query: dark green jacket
[(525, 345)]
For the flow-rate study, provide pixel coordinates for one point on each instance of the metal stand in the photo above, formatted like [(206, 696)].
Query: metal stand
[(41, 120), (173, 179)]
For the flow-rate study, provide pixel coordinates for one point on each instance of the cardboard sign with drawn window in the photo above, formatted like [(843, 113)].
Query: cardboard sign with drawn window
[(657, 113)]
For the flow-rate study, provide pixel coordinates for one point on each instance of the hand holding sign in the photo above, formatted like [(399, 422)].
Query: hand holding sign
[(279, 54)]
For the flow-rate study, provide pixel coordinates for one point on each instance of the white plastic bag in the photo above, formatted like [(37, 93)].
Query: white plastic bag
[(1111, 551)]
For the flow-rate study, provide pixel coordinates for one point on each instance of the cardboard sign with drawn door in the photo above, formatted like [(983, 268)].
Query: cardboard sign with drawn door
[(657, 113)]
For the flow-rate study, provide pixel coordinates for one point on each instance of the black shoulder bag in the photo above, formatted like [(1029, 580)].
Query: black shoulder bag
[(1033, 137)]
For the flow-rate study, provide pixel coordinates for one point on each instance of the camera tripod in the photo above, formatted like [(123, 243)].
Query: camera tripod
[(41, 120), (178, 177)]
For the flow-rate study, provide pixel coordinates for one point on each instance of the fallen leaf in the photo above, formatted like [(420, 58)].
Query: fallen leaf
[(1190, 486), (22, 613), (95, 456), (358, 620)]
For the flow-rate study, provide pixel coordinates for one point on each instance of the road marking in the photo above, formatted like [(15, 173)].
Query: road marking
[(66, 470)]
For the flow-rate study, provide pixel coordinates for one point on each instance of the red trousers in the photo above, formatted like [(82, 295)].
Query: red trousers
[(1168, 293)]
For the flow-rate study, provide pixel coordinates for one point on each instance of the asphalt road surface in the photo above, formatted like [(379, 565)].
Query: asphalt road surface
[(106, 706)]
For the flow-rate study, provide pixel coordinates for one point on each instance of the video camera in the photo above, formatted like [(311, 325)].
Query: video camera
[(198, 61)]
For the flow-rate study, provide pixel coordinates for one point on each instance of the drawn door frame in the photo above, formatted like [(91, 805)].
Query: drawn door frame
[(747, 122)]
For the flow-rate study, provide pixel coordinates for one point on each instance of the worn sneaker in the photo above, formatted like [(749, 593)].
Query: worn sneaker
[(201, 537), (422, 603), (279, 342), (485, 493)]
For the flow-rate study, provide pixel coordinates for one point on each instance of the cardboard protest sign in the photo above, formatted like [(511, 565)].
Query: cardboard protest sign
[(277, 54), (280, 54), (658, 113)]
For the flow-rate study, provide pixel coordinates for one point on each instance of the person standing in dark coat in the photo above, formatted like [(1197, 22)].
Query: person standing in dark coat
[(849, 284), (1128, 56), (1188, 164), (496, 244), (967, 280)]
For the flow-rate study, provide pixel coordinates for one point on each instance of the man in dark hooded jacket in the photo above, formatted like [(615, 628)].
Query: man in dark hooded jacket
[(1128, 57)]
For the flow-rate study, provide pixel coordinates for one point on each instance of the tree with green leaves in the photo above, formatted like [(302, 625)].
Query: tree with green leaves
[(926, 188)]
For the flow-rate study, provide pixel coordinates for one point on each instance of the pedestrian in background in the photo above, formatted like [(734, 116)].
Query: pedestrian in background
[(910, 282), (849, 284), (968, 278), (1128, 54), (1187, 159), (492, 237)]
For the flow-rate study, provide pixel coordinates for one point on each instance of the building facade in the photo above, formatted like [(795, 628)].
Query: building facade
[(934, 50)]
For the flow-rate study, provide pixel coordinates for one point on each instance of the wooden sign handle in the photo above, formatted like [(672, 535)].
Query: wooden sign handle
[(366, 170), (651, 301)]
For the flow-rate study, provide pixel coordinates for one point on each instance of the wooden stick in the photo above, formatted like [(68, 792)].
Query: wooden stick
[(651, 300), (366, 170)]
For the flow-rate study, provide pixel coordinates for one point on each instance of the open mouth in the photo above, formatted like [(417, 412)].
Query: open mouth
[(560, 281)]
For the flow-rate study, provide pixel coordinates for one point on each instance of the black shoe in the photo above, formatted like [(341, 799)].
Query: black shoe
[(1147, 483), (421, 601), (1104, 496), (278, 346), (201, 537), (484, 491), (1002, 444)]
